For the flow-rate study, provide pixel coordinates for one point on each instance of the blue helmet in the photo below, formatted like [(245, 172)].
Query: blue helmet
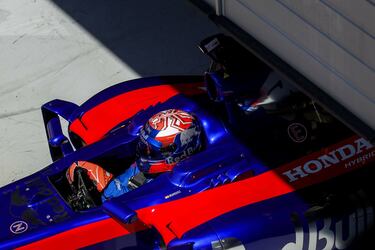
[(167, 138)]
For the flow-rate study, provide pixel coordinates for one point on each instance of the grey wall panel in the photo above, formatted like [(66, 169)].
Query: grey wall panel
[(331, 42), (359, 12), (341, 32), (212, 3)]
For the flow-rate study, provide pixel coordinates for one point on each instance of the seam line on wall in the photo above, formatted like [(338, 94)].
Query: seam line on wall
[(307, 51)]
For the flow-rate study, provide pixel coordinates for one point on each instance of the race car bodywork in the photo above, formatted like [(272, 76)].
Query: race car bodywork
[(279, 174)]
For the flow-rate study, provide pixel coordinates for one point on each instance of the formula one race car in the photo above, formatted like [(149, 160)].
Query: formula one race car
[(273, 169)]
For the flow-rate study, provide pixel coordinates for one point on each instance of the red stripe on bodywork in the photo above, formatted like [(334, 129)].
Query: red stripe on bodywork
[(175, 218), (98, 121), (85, 235)]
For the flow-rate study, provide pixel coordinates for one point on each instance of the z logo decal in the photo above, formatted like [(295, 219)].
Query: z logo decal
[(18, 227)]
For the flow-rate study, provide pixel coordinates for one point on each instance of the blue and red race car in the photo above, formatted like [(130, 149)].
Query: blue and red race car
[(275, 171)]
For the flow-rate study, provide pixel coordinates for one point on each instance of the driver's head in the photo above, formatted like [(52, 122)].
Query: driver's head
[(167, 138)]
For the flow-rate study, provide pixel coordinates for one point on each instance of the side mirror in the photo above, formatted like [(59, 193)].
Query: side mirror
[(58, 143)]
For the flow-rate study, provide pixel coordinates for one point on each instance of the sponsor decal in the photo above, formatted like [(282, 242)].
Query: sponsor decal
[(171, 160), (331, 233), (280, 181), (352, 154), (188, 135), (18, 227), (297, 132), (172, 194), (360, 160)]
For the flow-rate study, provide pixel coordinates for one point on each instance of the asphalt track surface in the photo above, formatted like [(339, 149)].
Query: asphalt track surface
[(68, 49)]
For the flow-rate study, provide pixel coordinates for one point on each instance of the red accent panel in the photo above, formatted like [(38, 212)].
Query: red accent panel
[(84, 235), (98, 121), (174, 218), (170, 219)]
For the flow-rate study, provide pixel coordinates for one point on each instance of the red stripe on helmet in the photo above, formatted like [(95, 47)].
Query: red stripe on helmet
[(160, 167)]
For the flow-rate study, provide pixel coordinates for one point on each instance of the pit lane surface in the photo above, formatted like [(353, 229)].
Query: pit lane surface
[(73, 49)]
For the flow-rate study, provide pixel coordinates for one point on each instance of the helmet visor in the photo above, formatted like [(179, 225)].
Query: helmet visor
[(145, 150)]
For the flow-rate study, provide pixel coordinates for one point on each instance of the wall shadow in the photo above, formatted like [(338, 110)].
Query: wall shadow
[(153, 37)]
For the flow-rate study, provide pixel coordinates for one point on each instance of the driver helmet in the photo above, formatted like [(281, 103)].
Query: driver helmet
[(167, 138)]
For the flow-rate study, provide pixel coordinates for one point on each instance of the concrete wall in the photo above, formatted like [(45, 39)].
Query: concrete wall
[(331, 42)]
